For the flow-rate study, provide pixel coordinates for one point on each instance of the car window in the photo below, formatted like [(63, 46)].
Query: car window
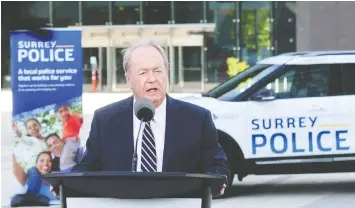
[(239, 84), (306, 81), (282, 85), (348, 79), (233, 82)]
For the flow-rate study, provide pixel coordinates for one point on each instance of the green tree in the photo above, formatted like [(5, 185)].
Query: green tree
[(263, 27)]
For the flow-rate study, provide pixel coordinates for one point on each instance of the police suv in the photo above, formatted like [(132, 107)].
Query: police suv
[(291, 113)]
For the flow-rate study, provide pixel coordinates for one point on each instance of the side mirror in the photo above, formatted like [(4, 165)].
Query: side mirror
[(264, 95)]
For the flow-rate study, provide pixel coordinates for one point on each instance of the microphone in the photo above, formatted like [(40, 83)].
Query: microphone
[(144, 110)]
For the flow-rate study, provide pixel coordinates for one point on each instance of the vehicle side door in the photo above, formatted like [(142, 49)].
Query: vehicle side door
[(294, 120), (344, 112)]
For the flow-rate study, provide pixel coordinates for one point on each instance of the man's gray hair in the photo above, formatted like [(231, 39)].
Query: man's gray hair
[(147, 42)]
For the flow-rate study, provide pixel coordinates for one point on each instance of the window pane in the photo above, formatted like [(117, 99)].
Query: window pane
[(87, 53), (125, 12), (37, 11), (191, 57), (95, 12), (255, 31), (303, 81), (223, 15), (282, 85), (188, 12), (222, 46), (65, 13), (263, 29), (243, 81), (348, 79), (156, 12), (285, 26)]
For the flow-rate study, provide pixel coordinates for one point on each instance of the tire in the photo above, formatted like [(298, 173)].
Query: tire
[(232, 174), (231, 157), (230, 182), (234, 156), (238, 162)]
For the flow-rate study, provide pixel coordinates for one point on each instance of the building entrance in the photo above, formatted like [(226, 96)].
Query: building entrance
[(175, 38)]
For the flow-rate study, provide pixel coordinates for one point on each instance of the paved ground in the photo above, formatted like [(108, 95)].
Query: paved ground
[(291, 191)]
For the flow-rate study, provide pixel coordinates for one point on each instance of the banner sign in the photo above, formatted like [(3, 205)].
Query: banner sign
[(47, 82)]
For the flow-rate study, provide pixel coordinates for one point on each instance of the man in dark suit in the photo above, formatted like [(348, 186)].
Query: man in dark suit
[(180, 138)]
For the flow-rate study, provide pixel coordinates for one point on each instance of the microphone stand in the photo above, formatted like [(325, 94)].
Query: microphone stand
[(134, 159)]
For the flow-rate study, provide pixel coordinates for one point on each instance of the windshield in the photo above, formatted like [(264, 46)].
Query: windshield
[(243, 81)]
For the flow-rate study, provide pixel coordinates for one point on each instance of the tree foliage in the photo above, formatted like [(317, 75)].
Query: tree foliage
[(258, 19)]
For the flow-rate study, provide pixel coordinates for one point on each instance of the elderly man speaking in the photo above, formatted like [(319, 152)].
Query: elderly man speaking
[(180, 138)]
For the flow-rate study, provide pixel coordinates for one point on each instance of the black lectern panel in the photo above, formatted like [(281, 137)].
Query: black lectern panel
[(136, 185), (132, 185)]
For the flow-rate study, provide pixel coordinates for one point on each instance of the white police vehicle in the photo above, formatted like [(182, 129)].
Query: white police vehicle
[(291, 113)]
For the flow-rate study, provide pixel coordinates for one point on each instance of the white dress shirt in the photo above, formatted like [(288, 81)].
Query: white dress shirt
[(158, 128)]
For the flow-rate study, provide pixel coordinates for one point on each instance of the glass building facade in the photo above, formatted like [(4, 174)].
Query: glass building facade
[(248, 31)]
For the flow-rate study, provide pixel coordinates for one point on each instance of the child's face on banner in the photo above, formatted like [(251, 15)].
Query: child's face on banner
[(64, 113), (33, 128), (44, 164)]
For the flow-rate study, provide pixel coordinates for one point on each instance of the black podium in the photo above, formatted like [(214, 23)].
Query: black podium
[(136, 185)]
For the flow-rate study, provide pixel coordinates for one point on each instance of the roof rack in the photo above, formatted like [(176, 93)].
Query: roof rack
[(334, 53), (318, 53)]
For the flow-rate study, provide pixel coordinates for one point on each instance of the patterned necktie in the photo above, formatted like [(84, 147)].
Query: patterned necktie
[(148, 155)]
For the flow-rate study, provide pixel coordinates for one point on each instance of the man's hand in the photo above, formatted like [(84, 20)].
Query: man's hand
[(55, 191), (223, 188), (220, 191)]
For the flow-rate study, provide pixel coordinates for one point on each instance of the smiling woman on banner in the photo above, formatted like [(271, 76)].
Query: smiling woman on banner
[(34, 182), (37, 190)]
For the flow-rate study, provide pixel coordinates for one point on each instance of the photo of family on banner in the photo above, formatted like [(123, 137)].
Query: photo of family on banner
[(47, 113), (55, 134)]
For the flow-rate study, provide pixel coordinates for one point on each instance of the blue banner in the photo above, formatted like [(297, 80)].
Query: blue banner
[(47, 80), (48, 70)]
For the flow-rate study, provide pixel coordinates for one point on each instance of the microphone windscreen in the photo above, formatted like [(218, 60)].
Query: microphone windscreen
[(144, 109)]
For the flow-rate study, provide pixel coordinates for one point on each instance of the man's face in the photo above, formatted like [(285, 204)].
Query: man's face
[(55, 145), (64, 113), (147, 75)]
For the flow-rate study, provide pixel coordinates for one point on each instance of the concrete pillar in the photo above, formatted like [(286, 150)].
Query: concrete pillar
[(172, 65), (203, 65), (114, 68), (100, 68), (181, 68), (109, 68)]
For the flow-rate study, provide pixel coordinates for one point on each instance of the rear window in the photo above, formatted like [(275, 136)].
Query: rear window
[(348, 79)]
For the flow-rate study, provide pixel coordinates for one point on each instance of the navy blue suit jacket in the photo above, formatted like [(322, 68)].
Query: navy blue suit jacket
[(191, 141)]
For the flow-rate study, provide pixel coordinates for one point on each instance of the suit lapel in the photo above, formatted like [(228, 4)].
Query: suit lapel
[(125, 132), (170, 131)]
